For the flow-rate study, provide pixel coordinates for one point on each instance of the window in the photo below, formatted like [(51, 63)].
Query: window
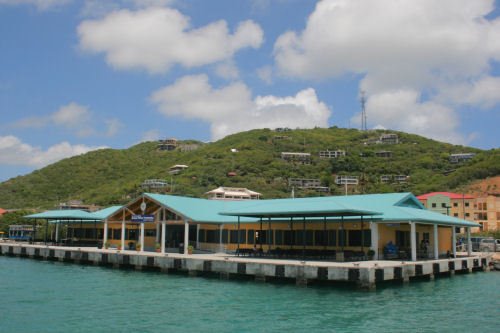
[(131, 233), (455, 204), (150, 233), (443, 205), (288, 237), (319, 237), (332, 237), (89, 233), (224, 236), (212, 236), (467, 214), (367, 238), (455, 214), (403, 238), (309, 237), (342, 238), (278, 237), (117, 234), (466, 204), (354, 237), (251, 236), (299, 237), (202, 235), (433, 205), (243, 236), (233, 236)]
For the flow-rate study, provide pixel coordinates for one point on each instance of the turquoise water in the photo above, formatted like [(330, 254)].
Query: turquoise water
[(40, 296)]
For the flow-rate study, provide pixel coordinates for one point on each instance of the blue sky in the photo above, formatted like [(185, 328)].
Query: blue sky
[(82, 75)]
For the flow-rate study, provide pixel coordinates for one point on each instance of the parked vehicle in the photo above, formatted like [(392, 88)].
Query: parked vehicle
[(476, 242), (489, 245)]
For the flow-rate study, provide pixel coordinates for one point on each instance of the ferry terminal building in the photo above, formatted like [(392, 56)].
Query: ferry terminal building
[(379, 226)]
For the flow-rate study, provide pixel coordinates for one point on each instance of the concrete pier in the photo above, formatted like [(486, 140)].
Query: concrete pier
[(365, 275)]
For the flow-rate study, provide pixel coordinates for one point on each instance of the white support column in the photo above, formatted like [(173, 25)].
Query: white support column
[(163, 232), (436, 242), (374, 234), (413, 238), (57, 232), (142, 237), (157, 239), (221, 227), (198, 236), (454, 241), (123, 230), (105, 233), (469, 243), (186, 236)]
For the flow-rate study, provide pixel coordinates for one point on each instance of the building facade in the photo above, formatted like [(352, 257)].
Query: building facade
[(483, 209)]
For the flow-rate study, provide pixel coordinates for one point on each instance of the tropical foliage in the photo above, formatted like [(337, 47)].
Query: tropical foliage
[(253, 158)]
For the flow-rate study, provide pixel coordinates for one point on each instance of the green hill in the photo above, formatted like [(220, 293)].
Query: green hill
[(111, 176)]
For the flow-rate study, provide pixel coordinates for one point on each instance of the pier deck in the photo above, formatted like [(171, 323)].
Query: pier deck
[(364, 274)]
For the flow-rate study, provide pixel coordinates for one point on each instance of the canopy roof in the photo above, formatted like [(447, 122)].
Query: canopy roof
[(74, 215), (391, 207), (287, 208), (198, 210), (106, 212), (65, 214)]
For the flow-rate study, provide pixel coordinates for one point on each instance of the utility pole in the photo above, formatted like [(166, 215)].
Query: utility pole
[(363, 111)]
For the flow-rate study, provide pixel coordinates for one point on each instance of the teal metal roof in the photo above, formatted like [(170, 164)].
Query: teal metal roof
[(199, 210), (106, 212), (306, 207), (381, 208), (65, 214), (75, 215)]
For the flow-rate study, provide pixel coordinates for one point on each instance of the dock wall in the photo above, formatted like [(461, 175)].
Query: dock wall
[(365, 275)]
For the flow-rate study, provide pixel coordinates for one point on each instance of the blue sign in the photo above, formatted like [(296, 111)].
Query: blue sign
[(142, 218)]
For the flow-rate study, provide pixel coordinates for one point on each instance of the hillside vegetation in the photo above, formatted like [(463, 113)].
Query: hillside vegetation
[(113, 176)]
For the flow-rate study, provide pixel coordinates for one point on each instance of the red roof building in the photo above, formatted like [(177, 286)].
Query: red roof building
[(450, 195)]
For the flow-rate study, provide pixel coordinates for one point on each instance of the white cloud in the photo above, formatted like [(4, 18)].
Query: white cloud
[(74, 117), (113, 126), (446, 38), (15, 152), (32, 122), (265, 74), (157, 38), (152, 3), (71, 115), (438, 49), (151, 135), (483, 92), (40, 4), (403, 110), (227, 70), (231, 109)]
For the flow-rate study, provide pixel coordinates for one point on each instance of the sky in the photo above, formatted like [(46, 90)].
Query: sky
[(80, 75)]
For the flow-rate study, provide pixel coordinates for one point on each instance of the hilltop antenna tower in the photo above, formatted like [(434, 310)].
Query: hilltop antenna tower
[(362, 99)]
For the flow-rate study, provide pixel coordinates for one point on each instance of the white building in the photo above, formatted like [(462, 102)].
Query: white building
[(175, 169), (154, 184), (233, 193), (347, 180), (457, 158), (389, 138), (331, 153), (304, 158)]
